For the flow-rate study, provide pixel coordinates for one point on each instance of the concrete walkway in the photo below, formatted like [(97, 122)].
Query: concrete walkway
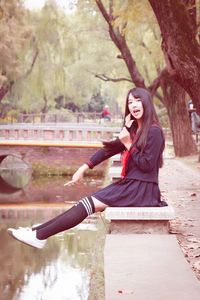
[(147, 267)]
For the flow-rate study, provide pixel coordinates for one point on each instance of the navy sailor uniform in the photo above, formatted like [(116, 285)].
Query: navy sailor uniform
[(139, 184)]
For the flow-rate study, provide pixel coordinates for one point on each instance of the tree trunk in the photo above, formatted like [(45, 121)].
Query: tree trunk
[(4, 89), (175, 103), (174, 94), (179, 45)]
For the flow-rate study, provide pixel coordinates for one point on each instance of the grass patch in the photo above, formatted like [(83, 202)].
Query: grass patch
[(43, 169)]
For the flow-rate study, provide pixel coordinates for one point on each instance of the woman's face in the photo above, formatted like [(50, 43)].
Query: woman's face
[(135, 107)]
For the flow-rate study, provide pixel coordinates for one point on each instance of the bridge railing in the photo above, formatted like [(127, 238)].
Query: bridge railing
[(60, 132), (62, 117)]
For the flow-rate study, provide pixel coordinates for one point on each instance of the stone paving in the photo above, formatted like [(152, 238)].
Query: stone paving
[(132, 264)]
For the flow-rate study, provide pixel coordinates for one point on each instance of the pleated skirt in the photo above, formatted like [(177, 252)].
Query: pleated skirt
[(129, 193)]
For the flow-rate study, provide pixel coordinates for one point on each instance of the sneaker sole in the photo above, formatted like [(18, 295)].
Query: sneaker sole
[(11, 234)]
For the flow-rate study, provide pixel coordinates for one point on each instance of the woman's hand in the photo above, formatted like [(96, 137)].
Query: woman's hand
[(78, 176), (128, 121), (124, 137)]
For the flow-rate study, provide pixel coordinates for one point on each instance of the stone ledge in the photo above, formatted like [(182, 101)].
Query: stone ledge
[(139, 220), (115, 172), (116, 157), (139, 213)]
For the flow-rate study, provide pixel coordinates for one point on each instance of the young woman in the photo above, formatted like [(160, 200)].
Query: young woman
[(141, 143)]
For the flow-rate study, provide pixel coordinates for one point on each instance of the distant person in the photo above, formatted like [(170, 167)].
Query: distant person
[(106, 114), (194, 117), (141, 142)]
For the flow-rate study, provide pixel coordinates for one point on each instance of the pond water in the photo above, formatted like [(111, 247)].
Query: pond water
[(70, 267), (63, 270), (17, 185)]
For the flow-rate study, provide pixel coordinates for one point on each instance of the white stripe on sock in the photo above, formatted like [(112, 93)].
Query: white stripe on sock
[(81, 201), (89, 204)]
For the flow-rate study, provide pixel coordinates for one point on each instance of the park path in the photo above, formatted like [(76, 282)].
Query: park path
[(180, 185)]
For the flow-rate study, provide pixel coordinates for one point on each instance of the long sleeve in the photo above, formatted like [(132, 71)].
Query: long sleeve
[(149, 158), (102, 154)]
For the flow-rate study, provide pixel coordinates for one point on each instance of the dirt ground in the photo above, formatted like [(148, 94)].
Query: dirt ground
[(180, 185)]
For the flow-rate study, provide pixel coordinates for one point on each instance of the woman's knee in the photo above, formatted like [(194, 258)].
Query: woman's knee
[(99, 206)]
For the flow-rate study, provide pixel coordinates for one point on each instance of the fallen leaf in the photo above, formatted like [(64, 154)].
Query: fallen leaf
[(194, 253), (189, 234), (191, 246), (196, 265), (195, 183), (193, 240), (127, 292), (173, 231), (187, 225), (193, 194)]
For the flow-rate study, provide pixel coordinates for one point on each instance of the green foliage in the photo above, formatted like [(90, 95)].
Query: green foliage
[(74, 49), (163, 117), (42, 169), (71, 52), (15, 33)]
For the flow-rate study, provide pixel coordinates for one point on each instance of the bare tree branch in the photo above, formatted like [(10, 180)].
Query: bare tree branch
[(120, 56), (106, 78), (144, 46), (33, 61), (156, 83), (159, 97), (5, 89)]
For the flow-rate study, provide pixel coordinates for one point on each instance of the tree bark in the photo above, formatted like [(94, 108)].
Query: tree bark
[(179, 45), (175, 103), (4, 89)]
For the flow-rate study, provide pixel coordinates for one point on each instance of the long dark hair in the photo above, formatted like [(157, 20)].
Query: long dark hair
[(149, 117)]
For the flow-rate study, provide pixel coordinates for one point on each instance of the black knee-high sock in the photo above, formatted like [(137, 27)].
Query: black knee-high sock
[(66, 220), (37, 227), (48, 222)]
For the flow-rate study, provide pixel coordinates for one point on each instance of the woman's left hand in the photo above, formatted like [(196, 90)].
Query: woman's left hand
[(124, 137)]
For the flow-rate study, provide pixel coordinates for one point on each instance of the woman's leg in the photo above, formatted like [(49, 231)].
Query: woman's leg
[(98, 206), (72, 217)]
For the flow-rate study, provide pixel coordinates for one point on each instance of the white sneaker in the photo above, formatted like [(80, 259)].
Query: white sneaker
[(36, 225), (24, 228), (27, 237), (27, 228)]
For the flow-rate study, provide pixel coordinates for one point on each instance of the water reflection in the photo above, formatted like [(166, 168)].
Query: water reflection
[(51, 190), (62, 270)]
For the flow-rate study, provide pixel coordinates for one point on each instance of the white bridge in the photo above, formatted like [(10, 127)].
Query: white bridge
[(61, 133)]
